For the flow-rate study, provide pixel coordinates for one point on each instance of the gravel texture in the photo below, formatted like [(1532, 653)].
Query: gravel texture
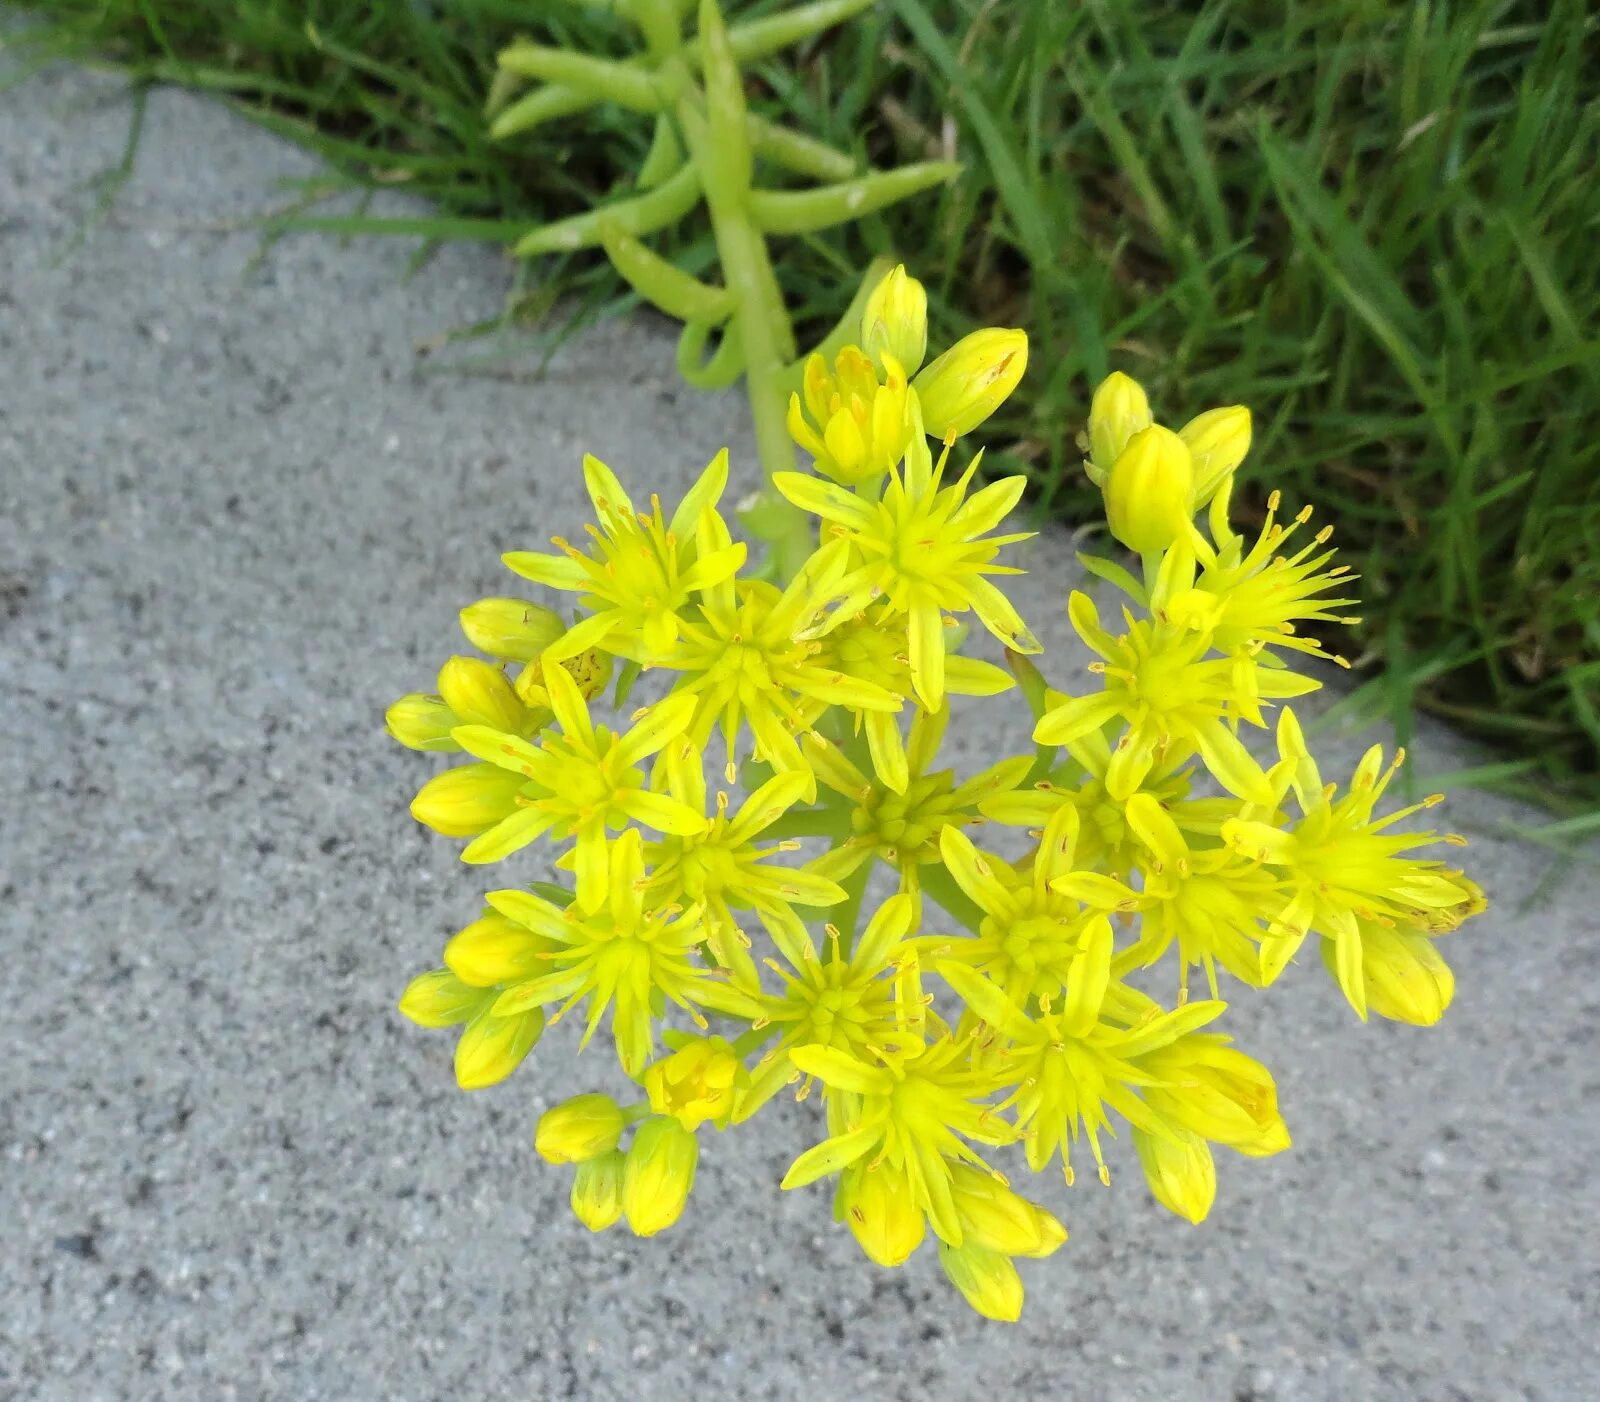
[(238, 511)]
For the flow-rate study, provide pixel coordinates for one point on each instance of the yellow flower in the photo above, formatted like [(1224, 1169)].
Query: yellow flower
[(1345, 873), (901, 825), (1175, 699), (910, 1115), (855, 426), (1044, 935), (1209, 901), (583, 1127), (585, 782), (972, 379), (924, 552), (1068, 1074), (700, 1081), (895, 321), (1256, 600), (743, 661), (641, 570), (658, 1174), (624, 957), (724, 867), (855, 1001)]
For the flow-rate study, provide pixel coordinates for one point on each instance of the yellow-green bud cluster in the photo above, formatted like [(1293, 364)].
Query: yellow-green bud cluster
[(1168, 808)]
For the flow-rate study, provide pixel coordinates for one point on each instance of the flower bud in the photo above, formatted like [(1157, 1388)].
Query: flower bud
[(854, 427), (597, 1191), (467, 800), (994, 1216), (1218, 440), (1119, 410), (1147, 494), (896, 320), (578, 1129), (972, 379), (657, 1175), (1406, 980), (696, 1083), (491, 1047), (512, 629), (493, 950), (479, 694), (882, 1214), (987, 1278), (421, 722), (439, 999), (1226, 1096), (1180, 1171)]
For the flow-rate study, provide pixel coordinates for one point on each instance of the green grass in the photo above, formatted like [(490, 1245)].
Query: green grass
[(1375, 223)]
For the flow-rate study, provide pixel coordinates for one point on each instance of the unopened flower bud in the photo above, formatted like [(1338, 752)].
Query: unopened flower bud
[(1218, 440), (492, 1047), (972, 379), (1226, 1096), (597, 1191), (1148, 492), (1180, 1171), (994, 1216), (696, 1083), (1404, 976), (422, 722), (512, 629), (494, 950), (479, 694), (883, 1215), (467, 800), (658, 1174), (1119, 410), (986, 1278), (439, 999), (896, 320), (578, 1129)]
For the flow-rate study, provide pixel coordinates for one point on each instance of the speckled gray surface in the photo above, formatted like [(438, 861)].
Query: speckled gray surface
[(237, 515)]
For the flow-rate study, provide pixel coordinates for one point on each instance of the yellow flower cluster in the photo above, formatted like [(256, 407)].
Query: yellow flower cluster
[(990, 1000)]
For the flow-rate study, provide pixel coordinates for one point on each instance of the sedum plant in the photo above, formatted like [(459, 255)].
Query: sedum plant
[(1050, 966), (708, 150)]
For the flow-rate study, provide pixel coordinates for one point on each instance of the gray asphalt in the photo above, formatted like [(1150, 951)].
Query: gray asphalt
[(238, 512)]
